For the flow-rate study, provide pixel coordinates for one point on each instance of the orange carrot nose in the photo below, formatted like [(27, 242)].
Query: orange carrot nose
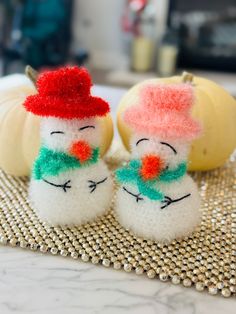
[(151, 167), (81, 150)]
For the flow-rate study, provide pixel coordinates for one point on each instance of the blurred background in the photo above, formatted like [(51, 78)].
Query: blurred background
[(122, 42)]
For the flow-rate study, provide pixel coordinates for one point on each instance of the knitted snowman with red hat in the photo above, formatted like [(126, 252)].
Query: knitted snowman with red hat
[(156, 198), (70, 184)]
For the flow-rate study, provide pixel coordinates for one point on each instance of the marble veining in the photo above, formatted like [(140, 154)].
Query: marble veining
[(31, 282)]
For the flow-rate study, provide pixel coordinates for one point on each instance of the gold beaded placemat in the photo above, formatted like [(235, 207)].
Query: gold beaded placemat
[(206, 260)]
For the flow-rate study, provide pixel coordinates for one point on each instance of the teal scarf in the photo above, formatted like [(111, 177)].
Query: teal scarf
[(50, 162), (131, 174)]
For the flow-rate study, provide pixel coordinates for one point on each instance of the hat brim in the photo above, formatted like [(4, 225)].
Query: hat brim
[(170, 125), (68, 108)]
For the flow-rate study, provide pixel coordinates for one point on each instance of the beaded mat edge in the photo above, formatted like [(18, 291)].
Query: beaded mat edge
[(205, 260)]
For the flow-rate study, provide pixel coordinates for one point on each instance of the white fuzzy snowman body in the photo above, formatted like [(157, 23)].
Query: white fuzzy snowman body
[(77, 205), (177, 213), (147, 219), (76, 195)]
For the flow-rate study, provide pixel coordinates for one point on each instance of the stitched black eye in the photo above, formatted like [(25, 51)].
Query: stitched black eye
[(87, 127), (141, 139), (170, 146), (57, 132)]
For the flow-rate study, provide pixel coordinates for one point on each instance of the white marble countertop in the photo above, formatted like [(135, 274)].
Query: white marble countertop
[(31, 282)]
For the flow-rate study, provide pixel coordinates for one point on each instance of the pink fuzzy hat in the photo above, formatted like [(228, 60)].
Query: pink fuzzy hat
[(164, 110)]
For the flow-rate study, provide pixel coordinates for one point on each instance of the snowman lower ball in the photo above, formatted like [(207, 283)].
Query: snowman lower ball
[(156, 199), (70, 184)]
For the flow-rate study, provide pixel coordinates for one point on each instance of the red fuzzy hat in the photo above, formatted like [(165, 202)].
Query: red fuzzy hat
[(65, 93)]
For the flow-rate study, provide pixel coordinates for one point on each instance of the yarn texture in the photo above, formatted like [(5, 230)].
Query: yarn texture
[(146, 218), (164, 110), (151, 167), (156, 199), (78, 205), (131, 174), (70, 184), (51, 163), (65, 93)]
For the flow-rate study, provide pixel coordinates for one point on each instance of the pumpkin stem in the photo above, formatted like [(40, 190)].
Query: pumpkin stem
[(187, 77), (31, 73)]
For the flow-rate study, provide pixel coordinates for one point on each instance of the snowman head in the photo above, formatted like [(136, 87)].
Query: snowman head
[(64, 134), (170, 152), (162, 124), (69, 112)]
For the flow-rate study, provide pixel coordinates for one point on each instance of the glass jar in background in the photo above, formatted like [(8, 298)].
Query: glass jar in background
[(143, 41), (142, 54), (167, 54)]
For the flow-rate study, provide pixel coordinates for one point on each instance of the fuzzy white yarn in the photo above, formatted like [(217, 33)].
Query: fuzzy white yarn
[(146, 218), (153, 146), (78, 204), (71, 132)]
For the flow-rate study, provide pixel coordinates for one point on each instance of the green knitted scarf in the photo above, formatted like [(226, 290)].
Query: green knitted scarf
[(131, 174), (50, 162)]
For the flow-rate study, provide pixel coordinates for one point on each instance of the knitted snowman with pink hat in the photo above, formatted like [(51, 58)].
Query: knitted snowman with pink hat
[(70, 184), (156, 199)]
